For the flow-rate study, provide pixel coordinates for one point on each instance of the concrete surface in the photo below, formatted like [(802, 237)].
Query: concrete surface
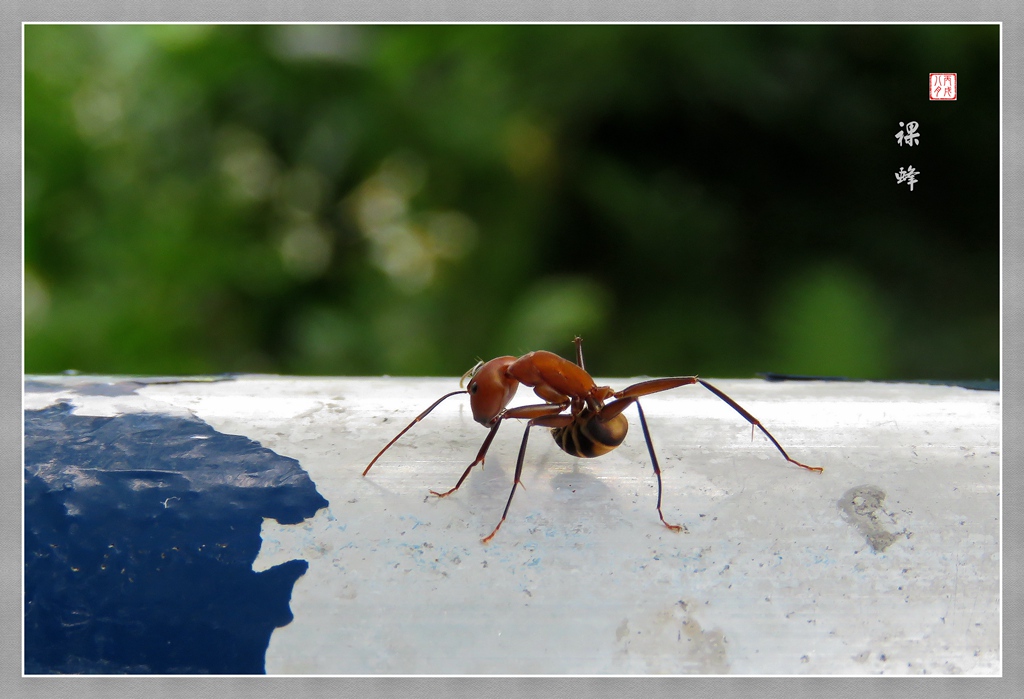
[(886, 563)]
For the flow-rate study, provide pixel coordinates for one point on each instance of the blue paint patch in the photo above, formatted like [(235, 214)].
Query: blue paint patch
[(982, 385), (121, 387), (34, 386), (140, 535), (416, 522)]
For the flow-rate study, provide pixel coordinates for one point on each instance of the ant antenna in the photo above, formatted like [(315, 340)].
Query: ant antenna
[(471, 373)]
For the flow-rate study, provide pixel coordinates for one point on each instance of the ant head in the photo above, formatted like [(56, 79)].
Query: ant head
[(490, 389)]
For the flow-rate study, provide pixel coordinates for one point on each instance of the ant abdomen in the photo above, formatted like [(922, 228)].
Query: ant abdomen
[(589, 436)]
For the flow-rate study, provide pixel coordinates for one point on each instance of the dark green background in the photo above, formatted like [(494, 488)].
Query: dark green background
[(405, 199)]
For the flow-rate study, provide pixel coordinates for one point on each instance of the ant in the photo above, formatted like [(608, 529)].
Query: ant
[(593, 426)]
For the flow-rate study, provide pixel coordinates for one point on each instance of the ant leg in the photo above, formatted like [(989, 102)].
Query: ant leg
[(579, 351), (547, 421), (645, 388), (526, 411), (409, 426), (624, 398), (479, 460), (654, 460), (756, 423)]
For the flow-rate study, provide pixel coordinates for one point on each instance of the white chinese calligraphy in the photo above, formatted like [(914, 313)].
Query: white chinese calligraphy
[(911, 136), (909, 176)]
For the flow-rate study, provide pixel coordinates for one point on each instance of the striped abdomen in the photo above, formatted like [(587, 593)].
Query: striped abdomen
[(588, 436)]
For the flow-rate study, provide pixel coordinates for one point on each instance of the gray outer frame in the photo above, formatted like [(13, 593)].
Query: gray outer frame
[(382, 11)]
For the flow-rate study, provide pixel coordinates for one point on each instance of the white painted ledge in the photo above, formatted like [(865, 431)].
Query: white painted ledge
[(888, 562)]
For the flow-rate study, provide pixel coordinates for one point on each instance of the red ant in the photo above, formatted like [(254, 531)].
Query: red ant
[(592, 426)]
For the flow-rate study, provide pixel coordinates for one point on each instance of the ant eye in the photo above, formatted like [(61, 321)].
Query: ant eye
[(473, 387)]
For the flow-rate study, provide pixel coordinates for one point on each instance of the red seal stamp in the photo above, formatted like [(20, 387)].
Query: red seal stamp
[(942, 86)]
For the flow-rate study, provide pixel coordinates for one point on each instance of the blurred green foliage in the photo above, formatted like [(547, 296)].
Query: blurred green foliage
[(316, 199)]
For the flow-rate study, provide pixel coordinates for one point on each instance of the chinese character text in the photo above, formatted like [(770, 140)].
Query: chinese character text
[(909, 176), (911, 136)]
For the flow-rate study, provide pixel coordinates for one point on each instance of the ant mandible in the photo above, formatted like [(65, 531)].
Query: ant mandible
[(593, 426)]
